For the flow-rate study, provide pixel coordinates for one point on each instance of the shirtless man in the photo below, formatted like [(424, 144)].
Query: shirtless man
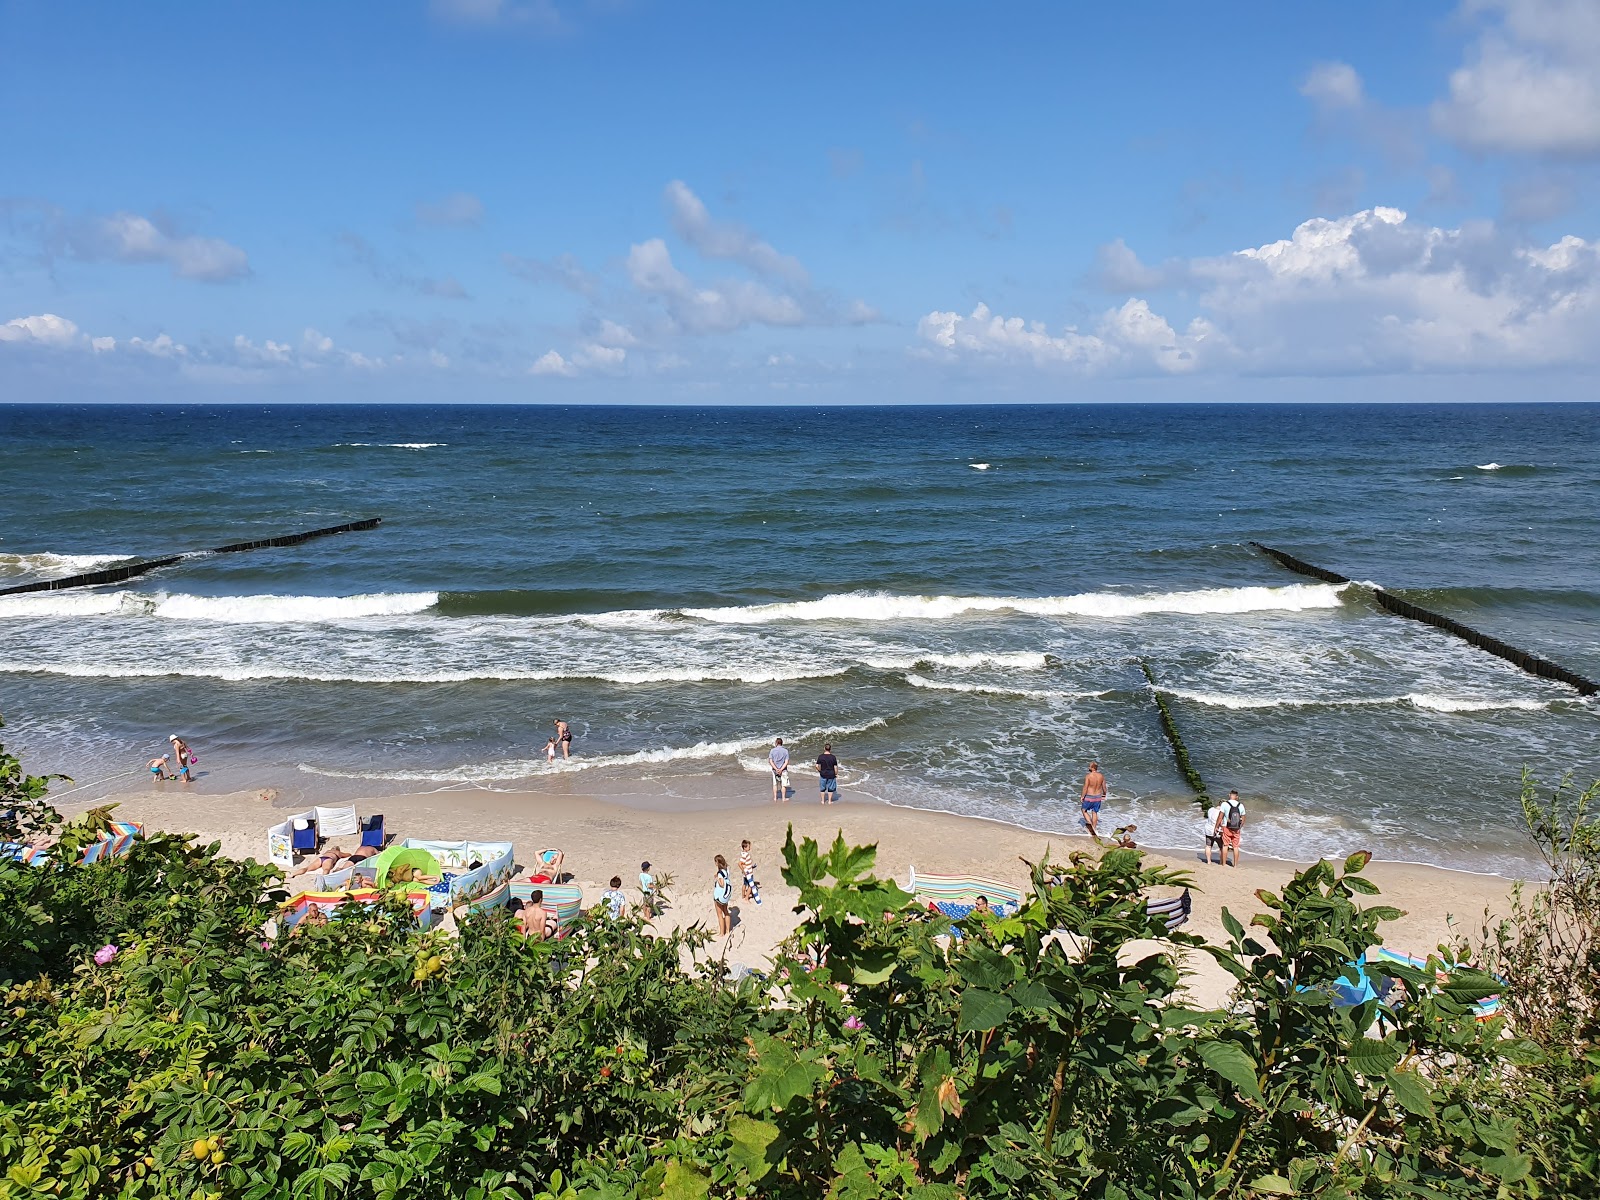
[(564, 736), (1094, 795)]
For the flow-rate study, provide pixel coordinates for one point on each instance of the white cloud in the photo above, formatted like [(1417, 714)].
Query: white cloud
[(1129, 339), (723, 308), (458, 210), (130, 238), (723, 240), (46, 329), (1372, 292), (1332, 86), (160, 346), (1531, 85), (1118, 269), (551, 363)]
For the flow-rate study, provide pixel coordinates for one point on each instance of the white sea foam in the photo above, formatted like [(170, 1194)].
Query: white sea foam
[(45, 563), (1446, 705), (396, 445), (525, 768), (990, 689), (1017, 660), (227, 609), (1416, 699), (979, 466), (189, 668), (886, 606), (1490, 466)]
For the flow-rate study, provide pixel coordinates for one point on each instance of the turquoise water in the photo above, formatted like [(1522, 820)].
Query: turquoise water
[(957, 597)]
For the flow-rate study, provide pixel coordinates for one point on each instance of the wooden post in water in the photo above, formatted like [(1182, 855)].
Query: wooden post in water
[(134, 570), (1531, 663)]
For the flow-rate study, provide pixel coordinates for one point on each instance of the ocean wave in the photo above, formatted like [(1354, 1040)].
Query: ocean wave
[(1424, 700), (887, 606), (187, 668), (393, 445), (1016, 660), (529, 768), (990, 689), (46, 564), (979, 466), (224, 609)]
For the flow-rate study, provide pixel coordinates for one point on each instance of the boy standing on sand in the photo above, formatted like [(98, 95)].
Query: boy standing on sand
[(1094, 795), (778, 760), (747, 872), (828, 774)]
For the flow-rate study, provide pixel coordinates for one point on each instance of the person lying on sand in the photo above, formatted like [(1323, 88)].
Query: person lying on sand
[(334, 859)]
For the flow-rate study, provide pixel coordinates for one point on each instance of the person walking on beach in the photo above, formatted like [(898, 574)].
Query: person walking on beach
[(1231, 826), (828, 774), (184, 756), (564, 736), (1211, 833), (778, 760), (614, 900), (1094, 795), (721, 893), (647, 889)]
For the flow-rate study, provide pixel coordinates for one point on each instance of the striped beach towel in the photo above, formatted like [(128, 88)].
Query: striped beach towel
[(955, 895)]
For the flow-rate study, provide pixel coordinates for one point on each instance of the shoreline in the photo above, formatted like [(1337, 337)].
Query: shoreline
[(602, 835)]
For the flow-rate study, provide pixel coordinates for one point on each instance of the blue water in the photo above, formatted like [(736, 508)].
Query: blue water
[(957, 597)]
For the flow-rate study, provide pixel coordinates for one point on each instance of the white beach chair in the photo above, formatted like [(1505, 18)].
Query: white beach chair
[(337, 822)]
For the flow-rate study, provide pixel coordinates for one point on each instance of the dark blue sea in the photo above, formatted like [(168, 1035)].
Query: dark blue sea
[(957, 598)]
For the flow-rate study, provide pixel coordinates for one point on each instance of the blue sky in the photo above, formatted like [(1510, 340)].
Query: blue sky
[(630, 201)]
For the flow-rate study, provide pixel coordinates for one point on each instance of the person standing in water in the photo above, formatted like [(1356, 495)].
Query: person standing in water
[(184, 757), (564, 736), (778, 760), (1094, 795)]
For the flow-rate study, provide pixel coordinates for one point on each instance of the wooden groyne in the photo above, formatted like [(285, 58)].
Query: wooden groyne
[(135, 569), (1180, 752), (1531, 663)]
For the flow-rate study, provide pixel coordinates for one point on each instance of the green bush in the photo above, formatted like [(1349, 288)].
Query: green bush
[(1048, 1053)]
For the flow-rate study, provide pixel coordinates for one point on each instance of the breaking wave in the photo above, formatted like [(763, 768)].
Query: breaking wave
[(233, 610)]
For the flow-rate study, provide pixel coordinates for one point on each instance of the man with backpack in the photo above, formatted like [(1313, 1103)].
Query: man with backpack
[(1230, 824)]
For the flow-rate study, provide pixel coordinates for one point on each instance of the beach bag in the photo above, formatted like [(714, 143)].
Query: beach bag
[(1233, 817), (722, 891)]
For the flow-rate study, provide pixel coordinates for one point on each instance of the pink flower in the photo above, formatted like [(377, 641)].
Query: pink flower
[(265, 945), (105, 954), (854, 1023)]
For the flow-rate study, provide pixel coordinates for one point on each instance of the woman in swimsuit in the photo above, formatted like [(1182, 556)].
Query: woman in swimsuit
[(564, 735)]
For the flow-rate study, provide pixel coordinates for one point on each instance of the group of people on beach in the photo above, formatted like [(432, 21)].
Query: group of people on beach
[(562, 741), (1222, 828), (827, 773), (163, 767)]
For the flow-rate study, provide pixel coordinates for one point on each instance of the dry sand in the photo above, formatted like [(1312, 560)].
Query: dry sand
[(604, 836)]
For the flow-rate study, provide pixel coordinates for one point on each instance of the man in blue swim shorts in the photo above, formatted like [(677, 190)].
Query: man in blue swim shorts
[(1094, 795), (828, 774)]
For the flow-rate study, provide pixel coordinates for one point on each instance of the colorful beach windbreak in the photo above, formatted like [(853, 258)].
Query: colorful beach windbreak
[(958, 599)]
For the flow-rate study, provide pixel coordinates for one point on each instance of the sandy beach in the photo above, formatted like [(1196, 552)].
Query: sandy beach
[(604, 835)]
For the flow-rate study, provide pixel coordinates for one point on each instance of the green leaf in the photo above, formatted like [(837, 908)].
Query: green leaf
[(1275, 1185), (684, 1183), (983, 1010), (1384, 912), (872, 965), (1231, 924), (1372, 1057), (1357, 862), (1229, 1060), (751, 1141), (1412, 1093)]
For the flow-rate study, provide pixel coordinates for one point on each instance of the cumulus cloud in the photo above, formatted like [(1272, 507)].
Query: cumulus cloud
[(1531, 83), (1129, 339), (696, 308), (123, 237), (1375, 291), (239, 359), (458, 210), (1118, 269), (551, 363), (723, 240), (1332, 86)]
